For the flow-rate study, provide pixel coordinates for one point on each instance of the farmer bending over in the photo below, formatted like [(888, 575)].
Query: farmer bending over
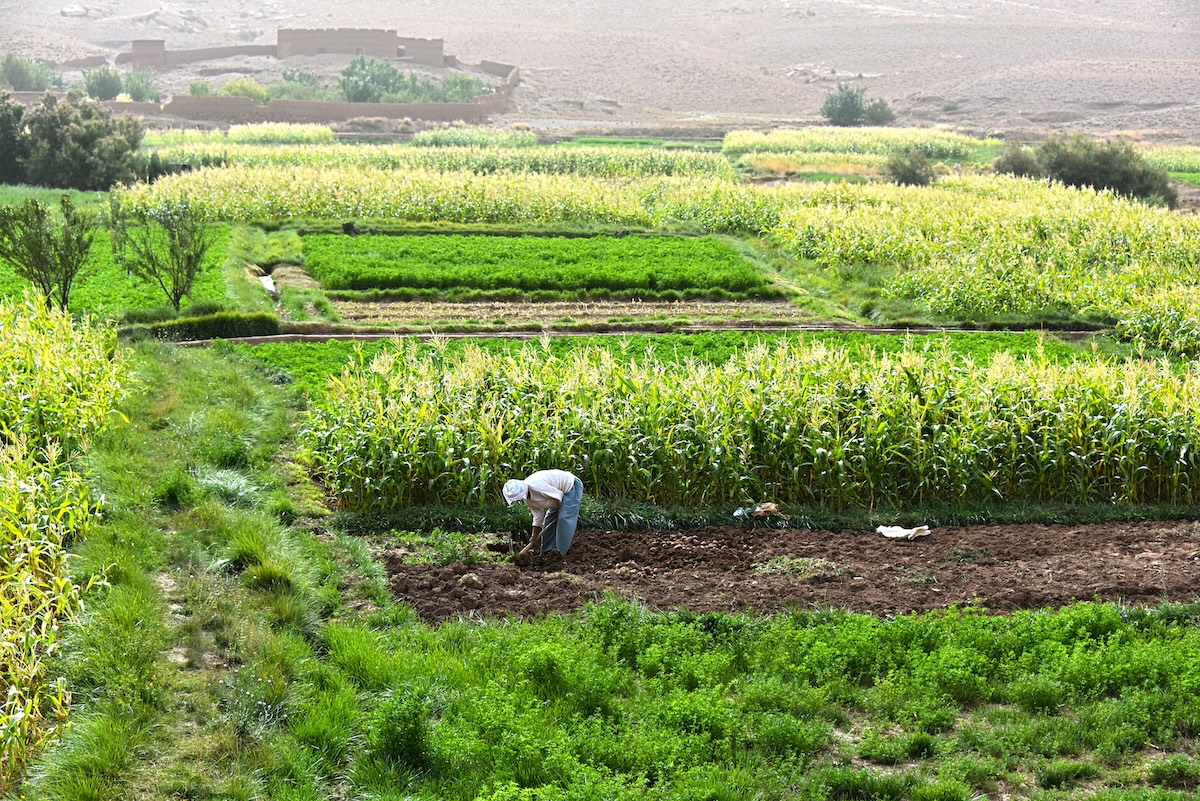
[(553, 496)]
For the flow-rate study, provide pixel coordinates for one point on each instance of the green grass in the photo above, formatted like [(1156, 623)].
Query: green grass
[(640, 265), (12, 194), (235, 656), (108, 292), (1192, 178)]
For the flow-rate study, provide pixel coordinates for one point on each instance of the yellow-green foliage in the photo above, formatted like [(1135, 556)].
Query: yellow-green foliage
[(795, 423), (59, 380), (263, 133), (981, 246), (875, 141), (605, 162), (1173, 159)]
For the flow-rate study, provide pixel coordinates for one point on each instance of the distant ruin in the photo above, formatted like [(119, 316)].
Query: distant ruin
[(376, 43)]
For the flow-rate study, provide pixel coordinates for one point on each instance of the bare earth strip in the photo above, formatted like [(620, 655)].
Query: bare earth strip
[(574, 312)]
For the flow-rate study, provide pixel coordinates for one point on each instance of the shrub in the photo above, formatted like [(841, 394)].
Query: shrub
[(1078, 161), (221, 325), (140, 87), (909, 169), (1019, 161), (878, 112), (245, 87), (23, 75), (76, 143), (367, 80), (199, 89), (102, 84), (843, 106)]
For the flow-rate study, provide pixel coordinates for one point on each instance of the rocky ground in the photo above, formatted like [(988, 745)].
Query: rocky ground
[(985, 66)]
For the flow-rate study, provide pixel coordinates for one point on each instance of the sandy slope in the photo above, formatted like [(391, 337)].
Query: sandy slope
[(1099, 65)]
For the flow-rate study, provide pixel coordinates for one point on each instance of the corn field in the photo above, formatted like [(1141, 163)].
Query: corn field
[(60, 380), (263, 133), (975, 246), (603, 162), (474, 136), (869, 141), (795, 423)]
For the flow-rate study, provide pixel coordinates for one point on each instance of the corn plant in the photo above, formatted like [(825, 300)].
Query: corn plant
[(603, 162), (793, 423), (60, 379), (474, 136), (871, 141)]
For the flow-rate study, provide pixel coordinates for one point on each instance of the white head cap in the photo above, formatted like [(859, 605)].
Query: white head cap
[(515, 490)]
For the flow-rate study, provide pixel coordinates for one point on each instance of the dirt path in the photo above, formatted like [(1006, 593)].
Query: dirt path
[(1002, 568)]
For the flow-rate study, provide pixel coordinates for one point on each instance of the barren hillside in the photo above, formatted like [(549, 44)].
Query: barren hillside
[(1098, 65)]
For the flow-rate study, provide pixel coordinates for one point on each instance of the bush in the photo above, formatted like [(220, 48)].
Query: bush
[(1078, 161), (1081, 162), (23, 75), (367, 80), (102, 84), (140, 87), (1019, 161), (245, 87), (199, 89), (76, 143), (843, 106), (909, 169), (222, 325), (878, 112)]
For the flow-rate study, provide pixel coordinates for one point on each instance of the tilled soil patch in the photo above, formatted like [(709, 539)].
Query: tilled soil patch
[(736, 569)]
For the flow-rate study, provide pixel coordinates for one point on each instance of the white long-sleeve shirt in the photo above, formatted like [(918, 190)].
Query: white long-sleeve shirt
[(546, 491)]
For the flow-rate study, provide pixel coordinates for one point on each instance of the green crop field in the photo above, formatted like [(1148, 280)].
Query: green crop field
[(279, 571), (553, 264), (106, 289)]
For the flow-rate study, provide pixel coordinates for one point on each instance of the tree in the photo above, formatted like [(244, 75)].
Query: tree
[(164, 246), (12, 142), (369, 80), (103, 83), (76, 143), (51, 257), (843, 106)]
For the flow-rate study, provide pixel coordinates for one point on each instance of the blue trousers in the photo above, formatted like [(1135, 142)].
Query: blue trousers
[(558, 529)]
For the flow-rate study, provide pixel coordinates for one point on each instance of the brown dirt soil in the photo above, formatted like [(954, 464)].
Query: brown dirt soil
[(1001, 568), (549, 313)]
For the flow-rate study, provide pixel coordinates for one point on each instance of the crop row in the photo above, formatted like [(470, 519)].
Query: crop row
[(968, 246), (604, 162), (794, 423), (972, 246), (60, 379), (873, 141), (529, 263), (263, 133), (474, 136)]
